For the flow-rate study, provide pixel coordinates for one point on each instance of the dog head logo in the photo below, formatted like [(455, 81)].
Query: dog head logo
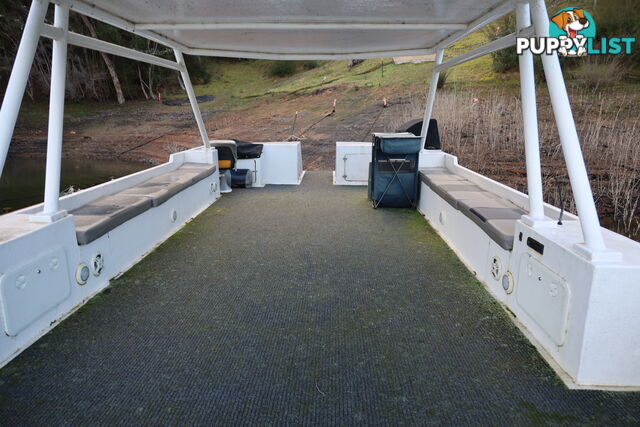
[(571, 21), (572, 26)]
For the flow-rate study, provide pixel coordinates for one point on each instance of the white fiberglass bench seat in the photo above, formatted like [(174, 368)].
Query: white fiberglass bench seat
[(495, 215), (106, 213)]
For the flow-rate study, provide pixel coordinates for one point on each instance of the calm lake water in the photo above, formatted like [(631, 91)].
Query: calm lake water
[(22, 181)]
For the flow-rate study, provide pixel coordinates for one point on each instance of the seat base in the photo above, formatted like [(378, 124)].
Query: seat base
[(97, 218), (495, 215)]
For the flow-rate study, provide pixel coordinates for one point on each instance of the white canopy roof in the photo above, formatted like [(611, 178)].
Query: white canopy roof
[(299, 29)]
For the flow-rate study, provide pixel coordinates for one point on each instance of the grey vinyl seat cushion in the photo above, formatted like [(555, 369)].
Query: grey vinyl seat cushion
[(496, 216), (163, 187), (97, 218), (106, 213)]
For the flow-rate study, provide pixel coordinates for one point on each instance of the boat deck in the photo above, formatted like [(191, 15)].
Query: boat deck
[(296, 305)]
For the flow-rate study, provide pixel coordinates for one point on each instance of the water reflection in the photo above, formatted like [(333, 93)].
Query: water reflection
[(22, 181)]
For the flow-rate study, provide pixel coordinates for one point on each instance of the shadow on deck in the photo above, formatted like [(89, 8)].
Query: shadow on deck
[(296, 305)]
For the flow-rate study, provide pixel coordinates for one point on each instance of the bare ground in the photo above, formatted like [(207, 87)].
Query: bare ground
[(151, 131)]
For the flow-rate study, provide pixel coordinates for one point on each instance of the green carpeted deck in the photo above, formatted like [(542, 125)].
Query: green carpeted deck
[(296, 305)]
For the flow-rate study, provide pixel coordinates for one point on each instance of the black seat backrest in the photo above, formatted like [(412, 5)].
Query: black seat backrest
[(432, 141), (248, 150), (225, 153), (433, 136)]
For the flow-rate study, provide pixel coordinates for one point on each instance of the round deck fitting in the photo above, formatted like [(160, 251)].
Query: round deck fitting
[(82, 274), (508, 282)]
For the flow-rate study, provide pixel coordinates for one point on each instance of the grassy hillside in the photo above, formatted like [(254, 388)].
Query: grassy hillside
[(238, 82)]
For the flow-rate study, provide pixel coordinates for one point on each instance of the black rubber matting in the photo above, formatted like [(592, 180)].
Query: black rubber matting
[(296, 305)]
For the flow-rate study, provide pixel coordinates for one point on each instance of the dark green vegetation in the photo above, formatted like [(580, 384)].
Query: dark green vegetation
[(282, 69), (88, 75), (289, 68), (294, 313), (617, 18)]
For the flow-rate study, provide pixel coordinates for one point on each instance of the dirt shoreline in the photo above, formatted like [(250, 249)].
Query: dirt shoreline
[(154, 131)]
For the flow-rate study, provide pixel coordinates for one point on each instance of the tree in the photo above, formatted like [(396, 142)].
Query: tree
[(107, 62)]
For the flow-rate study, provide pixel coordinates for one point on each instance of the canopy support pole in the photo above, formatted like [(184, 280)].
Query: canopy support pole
[(192, 99), (51, 211), (530, 123), (431, 97), (593, 247), (20, 75)]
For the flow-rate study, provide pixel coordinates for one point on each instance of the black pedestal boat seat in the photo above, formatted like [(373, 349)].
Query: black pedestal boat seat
[(228, 154), (495, 215), (97, 218), (248, 150), (230, 151)]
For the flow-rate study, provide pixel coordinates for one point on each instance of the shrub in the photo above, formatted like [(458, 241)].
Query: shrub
[(504, 60), (198, 70), (619, 18), (310, 65), (282, 69), (596, 71)]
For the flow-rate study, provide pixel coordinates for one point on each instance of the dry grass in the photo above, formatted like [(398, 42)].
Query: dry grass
[(596, 72), (484, 130)]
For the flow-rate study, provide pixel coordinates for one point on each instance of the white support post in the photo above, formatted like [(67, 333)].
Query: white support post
[(51, 211), (593, 247), (192, 99), (530, 123), (431, 97), (20, 75)]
